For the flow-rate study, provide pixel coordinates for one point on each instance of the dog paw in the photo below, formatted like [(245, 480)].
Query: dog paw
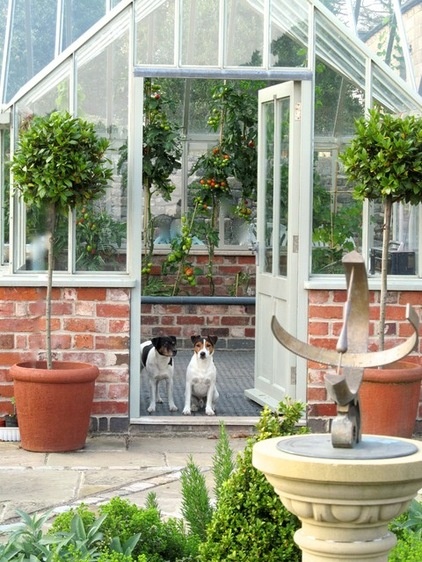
[(209, 412), (186, 411), (173, 408), (151, 409)]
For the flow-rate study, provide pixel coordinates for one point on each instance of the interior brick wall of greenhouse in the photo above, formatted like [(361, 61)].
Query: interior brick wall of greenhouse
[(232, 275)]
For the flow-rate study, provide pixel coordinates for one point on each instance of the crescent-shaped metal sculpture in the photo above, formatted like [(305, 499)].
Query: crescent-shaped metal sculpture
[(351, 355), (362, 360)]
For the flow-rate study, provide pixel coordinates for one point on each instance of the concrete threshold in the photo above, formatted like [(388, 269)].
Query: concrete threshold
[(236, 426)]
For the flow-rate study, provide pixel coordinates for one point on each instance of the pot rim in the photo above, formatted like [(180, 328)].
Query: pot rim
[(62, 372), (398, 372)]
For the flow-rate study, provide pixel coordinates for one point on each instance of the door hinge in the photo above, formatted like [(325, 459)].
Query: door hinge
[(293, 376), (298, 111), (295, 243)]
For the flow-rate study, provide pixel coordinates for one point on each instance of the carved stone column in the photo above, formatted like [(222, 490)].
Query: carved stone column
[(345, 505)]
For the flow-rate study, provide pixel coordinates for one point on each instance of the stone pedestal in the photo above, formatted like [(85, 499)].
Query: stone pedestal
[(344, 504)]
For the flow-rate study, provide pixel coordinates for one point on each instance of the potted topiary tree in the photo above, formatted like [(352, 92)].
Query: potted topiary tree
[(384, 162), (59, 164)]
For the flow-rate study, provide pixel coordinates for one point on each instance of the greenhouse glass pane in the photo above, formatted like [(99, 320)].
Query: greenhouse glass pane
[(404, 240), (38, 227), (373, 15), (155, 33), (32, 41), (5, 195), (244, 42), (384, 40), (3, 21), (268, 160), (198, 105), (339, 52), (200, 32), (50, 94), (338, 102), (390, 94), (103, 99), (78, 17), (340, 9), (337, 216), (289, 33)]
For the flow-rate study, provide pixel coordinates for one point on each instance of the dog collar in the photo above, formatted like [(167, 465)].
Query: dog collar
[(170, 360)]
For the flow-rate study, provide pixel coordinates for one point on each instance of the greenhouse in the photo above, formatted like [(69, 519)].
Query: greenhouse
[(225, 120)]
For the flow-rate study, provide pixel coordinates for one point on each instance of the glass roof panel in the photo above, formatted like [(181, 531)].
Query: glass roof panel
[(155, 33), (338, 102), (102, 67), (49, 94), (340, 52), (3, 22), (387, 91), (378, 27), (342, 9), (78, 16), (214, 34), (244, 38), (372, 14), (200, 38), (289, 33), (32, 41)]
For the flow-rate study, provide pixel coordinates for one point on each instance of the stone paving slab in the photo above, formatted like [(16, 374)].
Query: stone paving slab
[(108, 466)]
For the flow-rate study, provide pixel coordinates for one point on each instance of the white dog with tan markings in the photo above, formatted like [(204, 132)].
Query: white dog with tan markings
[(201, 377)]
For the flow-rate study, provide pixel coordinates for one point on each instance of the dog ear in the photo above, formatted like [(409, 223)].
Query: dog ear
[(173, 340), (194, 339), (156, 341), (213, 339)]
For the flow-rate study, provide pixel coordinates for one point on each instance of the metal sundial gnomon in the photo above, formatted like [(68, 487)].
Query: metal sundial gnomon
[(351, 355)]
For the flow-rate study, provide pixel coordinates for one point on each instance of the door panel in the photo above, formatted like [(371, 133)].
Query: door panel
[(277, 232)]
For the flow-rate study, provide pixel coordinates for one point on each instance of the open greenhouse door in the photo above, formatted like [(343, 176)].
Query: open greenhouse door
[(279, 218)]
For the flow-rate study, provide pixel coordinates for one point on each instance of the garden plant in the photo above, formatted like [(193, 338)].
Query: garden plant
[(245, 520), (59, 165), (123, 532), (384, 163)]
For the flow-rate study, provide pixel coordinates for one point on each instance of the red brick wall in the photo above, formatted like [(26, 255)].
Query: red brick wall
[(233, 324), (92, 325), (325, 321)]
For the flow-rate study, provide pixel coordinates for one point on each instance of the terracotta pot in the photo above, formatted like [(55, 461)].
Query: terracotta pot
[(389, 399), (54, 406)]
